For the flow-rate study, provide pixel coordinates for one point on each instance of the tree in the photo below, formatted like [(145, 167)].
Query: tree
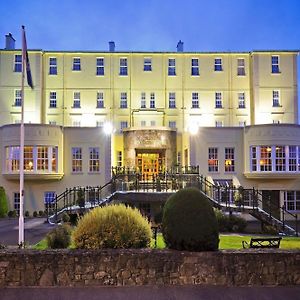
[(3, 203)]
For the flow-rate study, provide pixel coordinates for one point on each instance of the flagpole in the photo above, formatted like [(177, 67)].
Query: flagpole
[(21, 212)]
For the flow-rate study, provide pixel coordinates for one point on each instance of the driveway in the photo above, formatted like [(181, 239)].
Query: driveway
[(35, 230)]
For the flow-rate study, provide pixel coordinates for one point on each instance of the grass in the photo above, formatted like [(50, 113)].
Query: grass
[(226, 242)]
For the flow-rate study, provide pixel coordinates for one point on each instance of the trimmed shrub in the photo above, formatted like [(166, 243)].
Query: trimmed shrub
[(41, 213), (3, 203), (27, 214), (35, 214), (59, 237), (230, 223), (65, 217), (189, 222), (12, 214), (113, 226)]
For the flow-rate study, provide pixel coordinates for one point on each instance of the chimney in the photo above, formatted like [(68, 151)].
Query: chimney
[(9, 42), (180, 46), (112, 46)]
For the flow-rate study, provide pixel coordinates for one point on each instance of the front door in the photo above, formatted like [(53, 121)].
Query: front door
[(271, 202)]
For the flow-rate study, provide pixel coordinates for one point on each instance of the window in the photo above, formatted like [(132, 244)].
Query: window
[(94, 162), (51, 122), (28, 158), (253, 159), (100, 100), (123, 100), (143, 123), (52, 66), (123, 124), (76, 64), (276, 99), (123, 67), (152, 123), (171, 67), (76, 159), (276, 121), (218, 99), (147, 64), (292, 200), (54, 159), (218, 64), (100, 66), (119, 159), (275, 64), (219, 123), (49, 199), (76, 100), (18, 63), (18, 98), (280, 158), (52, 100), (195, 67), (17, 201), (143, 100), (229, 160), (293, 158), (241, 67), (152, 100), (172, 124), (172, 100), (42, 158), (241, 100), (76, 123), (265, 158), (99, 123), (195, 100), (213, 162)]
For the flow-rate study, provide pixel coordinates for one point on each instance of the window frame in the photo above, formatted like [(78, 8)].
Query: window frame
[(100, 68), (123, 66), (52, 100), (276, 98), (76, 100), (94, 159), (17, 64), (100, 99), (76, 160), (171, 66), (147, 64), (229, 162), (172, 100), (152, 100), (123, 100), (195, 68), (241, 71), (195, 100), (76, 65), (275, 66), (218, 67), (52, 66), (241, 100), (213, 160), (18, 98), (218, 100)]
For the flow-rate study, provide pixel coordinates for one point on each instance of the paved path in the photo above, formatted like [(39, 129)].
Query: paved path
[(35, 230), (153, 293)]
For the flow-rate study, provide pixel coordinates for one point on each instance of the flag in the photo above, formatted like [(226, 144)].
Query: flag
[(26, 59)]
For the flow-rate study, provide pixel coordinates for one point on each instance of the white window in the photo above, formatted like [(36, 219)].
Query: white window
[(28, 158), (52, 100), (152, 100), (143, 123), (18, 63), (218, 99), (49, 198), (195, 100), (218, 64), (76, 100), (42, 158), (76, 64), (171, 67), (143, 100), (172, 100), (17, 201), (100, 100), (147, 64), (265, 158), (152, 123), (52, 66), (241, 67), (229, 160), (275, 64), (219, 123), (241, 100), (119, 159), (76, 123), (123, 66), (276, 98), (18, 98), (94, 161), (172, 124), (254, 157), (123, 100), (194, 67), (100, 66), (292, 200), (213, 162), (76, 159), (123, 124), (53, 157), (293, 163), (280, 160)]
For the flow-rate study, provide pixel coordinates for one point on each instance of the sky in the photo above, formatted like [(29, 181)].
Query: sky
[(154, 25)]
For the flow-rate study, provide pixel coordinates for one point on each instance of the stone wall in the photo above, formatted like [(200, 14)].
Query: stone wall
[(148, 267)]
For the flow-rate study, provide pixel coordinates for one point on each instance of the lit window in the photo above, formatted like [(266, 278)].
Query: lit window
[(94, 162), (241, 100), (123, 125), (52, 100), (195, 67), (147, 64), (195, 100), (54, 159), (292, 200), (275, 64), (218, 64), (76, 100), (123, 67), (241, 67), (152, 100), (218, 99), (123, 100), (143, 100), (172, 100), (76, 160), (42, 158), (17, 201), (18, 98), (229, 160), (213, 162), (276, 98), (100, 66), (76, 64), (18, 63), (265, 158), (52, 66), (100, 100), (28, 158), (171, 67), (172, 124)]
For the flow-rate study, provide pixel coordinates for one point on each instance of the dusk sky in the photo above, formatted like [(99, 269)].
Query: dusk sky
[(157, 25)]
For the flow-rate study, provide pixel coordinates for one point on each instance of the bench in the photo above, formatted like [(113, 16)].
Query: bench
[(271, 242)]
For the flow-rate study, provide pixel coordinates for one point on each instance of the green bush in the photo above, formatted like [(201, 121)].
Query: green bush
[(65, 217), (12, 213), (3, 203), (35, 214), (230, 223), (41, 213), (59, 237), (113, 226), (27, 214), (189, 222)]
